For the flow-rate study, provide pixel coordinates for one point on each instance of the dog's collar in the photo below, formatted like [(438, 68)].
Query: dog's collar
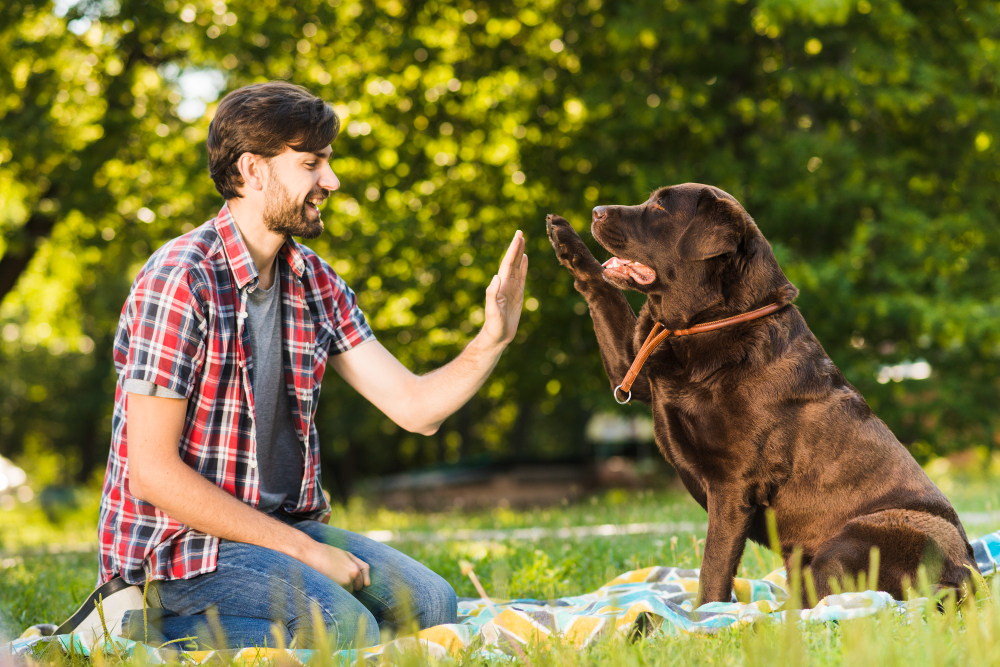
[(656, 336)]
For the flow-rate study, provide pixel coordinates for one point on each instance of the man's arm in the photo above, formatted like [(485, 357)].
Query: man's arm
[(157, 475), (419, 403)]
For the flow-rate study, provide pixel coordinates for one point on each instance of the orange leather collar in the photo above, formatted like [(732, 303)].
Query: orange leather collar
[(656, 336)]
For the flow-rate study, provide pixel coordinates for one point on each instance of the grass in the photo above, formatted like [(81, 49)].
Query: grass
[(46, 587)]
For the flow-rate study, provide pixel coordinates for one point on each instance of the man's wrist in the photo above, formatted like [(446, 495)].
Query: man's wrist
[(487, 345), (300, 546)]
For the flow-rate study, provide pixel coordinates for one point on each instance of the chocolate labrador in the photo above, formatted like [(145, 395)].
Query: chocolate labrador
[(755, 415)]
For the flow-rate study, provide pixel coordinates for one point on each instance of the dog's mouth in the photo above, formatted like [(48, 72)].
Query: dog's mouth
[(625, 268)]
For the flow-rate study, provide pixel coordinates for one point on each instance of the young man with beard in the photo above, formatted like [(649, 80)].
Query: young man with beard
[(213, 481)]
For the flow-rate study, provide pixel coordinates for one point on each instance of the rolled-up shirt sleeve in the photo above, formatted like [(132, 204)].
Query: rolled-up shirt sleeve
[(149, 389), (167, 333)]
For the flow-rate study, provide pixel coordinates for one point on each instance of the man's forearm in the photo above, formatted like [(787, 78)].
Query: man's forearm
[(184, 495), (441, 392), (419, 403)]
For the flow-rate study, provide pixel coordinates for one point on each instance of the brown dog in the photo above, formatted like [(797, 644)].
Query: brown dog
[(756, 415)]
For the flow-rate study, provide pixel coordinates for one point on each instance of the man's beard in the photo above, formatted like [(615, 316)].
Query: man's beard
[(283, 215)]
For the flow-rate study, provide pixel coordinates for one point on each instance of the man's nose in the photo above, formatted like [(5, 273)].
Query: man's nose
[(600, 213), (328, 180)]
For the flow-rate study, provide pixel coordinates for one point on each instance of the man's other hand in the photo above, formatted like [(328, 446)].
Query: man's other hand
[(342, 566), (505, 295)]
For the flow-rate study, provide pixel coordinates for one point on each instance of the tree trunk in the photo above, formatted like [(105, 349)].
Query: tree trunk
[(21, 248), (519, 433)]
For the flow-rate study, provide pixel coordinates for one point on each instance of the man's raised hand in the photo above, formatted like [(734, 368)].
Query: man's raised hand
[(420, 403), (505, 295)]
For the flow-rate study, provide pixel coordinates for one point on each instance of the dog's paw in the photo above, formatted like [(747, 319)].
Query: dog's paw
[(570, 249)]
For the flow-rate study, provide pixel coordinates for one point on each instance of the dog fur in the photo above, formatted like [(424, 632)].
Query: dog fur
[(756, 416)]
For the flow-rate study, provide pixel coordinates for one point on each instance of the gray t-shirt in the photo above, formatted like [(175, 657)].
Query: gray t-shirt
[(279, 452)]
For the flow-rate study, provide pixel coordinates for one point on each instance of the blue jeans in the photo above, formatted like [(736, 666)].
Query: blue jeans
[(255, 593)]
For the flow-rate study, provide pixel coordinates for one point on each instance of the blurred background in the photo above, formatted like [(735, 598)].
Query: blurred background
[(861, 135)]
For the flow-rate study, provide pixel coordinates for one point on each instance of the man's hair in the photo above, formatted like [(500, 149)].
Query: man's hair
[(263, 119)]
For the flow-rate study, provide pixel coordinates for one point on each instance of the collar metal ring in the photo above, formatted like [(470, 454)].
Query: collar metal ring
[(627, 398)]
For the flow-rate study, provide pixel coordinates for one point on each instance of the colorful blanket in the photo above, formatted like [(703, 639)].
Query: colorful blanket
[(650, 600)]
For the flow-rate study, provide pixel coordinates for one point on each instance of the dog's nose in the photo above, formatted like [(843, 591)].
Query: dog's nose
[(600, 213)]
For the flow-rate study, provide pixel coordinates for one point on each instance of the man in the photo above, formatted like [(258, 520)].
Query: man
[(213, 484)]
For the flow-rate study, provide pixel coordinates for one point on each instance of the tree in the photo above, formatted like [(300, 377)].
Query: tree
[(860, 136)]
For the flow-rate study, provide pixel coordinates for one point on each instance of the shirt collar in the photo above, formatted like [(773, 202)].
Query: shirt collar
[(240, 262)]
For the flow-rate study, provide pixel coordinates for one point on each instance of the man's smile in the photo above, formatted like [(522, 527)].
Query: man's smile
[(315, 202)]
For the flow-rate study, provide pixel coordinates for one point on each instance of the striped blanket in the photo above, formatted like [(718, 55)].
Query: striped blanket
[(650, 600)]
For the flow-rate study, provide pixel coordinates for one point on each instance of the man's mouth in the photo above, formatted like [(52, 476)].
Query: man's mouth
[(315, 202), (625, 268)]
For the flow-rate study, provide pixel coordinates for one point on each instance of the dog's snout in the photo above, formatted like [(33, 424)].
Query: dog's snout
[(600, 213)]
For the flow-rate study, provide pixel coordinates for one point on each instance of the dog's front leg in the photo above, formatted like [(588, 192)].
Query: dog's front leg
[(614, 320), (728, 527)]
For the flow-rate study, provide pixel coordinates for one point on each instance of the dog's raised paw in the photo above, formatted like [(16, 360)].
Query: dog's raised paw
[(559, 232), (552, 221), (570, 249), (559, 229)]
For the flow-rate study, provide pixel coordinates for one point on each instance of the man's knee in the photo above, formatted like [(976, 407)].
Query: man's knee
[(357, 630), (345, 626), (436, 602)]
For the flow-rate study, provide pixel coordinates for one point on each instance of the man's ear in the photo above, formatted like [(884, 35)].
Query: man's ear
[(251, 168), (714, 230)]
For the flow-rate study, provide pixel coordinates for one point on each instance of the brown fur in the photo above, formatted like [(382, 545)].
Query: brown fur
[(757, 416)]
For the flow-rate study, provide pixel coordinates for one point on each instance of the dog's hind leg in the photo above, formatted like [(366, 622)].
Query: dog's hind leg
[(905, 540), (614, 320)]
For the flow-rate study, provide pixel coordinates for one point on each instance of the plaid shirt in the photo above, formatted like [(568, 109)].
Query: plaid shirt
[(182, 328)]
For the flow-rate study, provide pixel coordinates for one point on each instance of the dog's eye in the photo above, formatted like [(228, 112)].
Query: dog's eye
[(659, 199)]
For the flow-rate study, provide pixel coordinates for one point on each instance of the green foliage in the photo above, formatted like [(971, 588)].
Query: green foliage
[(861, 136)]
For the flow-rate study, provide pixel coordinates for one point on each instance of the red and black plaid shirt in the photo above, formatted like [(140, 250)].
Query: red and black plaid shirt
[(182, 328)]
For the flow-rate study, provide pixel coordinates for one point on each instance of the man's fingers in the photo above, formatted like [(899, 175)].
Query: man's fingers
[(364, 577), (508, 257), (513, 254), (514, 284), (493, 288), (519, 251)]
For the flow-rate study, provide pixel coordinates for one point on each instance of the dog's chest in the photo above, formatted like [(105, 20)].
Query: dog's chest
[(695, 420), (714, 432)]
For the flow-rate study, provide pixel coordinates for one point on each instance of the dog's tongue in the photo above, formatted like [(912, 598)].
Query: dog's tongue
[(640, 273)]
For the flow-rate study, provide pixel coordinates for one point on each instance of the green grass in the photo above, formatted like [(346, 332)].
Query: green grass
[(615, 506), (45, 587)]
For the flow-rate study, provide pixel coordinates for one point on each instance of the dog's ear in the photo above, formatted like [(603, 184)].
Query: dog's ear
[(714, 229)]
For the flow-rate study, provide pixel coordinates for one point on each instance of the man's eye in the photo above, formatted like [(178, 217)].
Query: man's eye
[(310, 164)]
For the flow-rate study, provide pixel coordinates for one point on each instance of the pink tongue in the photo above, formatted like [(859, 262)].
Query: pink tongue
[(640, 273)]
